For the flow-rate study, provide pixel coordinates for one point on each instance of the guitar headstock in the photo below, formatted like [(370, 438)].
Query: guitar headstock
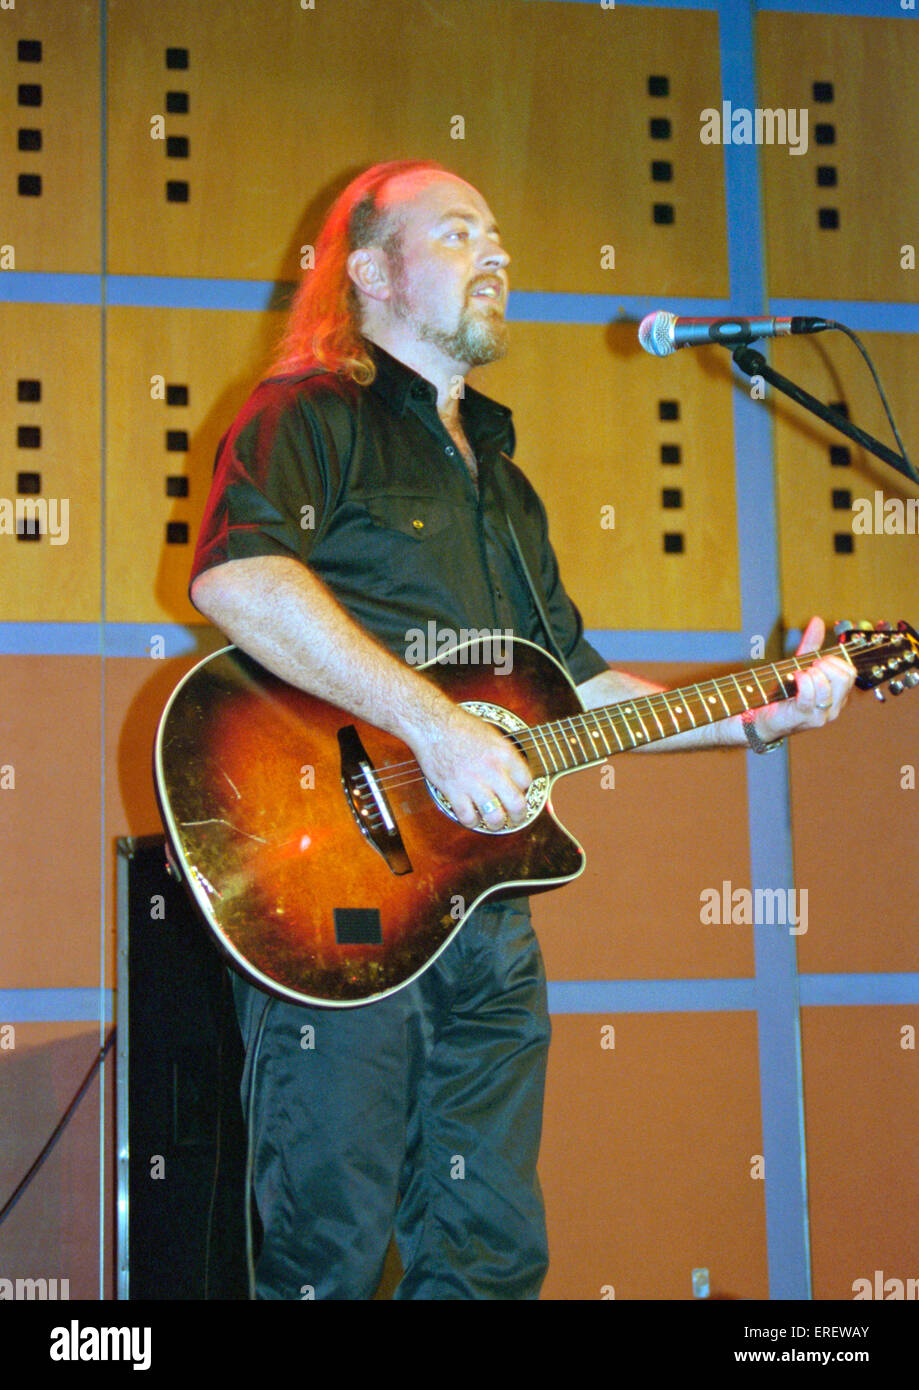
[(881, 654)]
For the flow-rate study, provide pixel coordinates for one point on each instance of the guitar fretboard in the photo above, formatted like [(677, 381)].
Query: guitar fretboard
[(581, 739)]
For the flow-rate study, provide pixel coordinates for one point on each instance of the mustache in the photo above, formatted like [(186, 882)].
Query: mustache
[(481, 281)]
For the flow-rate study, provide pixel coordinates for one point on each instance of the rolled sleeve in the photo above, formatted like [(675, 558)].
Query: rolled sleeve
[(273, 481)]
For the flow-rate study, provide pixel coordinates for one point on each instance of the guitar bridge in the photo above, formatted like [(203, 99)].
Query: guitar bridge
[(368, 802)]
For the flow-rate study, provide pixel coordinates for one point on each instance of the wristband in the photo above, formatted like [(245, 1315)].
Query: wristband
[(756, 743)]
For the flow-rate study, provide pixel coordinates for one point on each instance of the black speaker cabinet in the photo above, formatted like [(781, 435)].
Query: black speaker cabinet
[(181, 1136)]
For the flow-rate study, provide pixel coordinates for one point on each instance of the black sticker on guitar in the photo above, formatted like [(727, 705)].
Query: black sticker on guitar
[(358, 926)]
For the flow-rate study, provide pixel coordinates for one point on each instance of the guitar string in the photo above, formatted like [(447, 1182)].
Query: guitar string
[(655, 701), (658, 700)]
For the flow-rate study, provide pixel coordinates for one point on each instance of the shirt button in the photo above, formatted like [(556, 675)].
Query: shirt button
[(449, 451)]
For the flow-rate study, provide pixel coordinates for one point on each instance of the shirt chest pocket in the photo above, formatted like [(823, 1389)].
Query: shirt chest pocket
[(418, 517)]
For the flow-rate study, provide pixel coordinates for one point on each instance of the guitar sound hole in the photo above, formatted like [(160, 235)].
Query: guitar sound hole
[(510, 725)]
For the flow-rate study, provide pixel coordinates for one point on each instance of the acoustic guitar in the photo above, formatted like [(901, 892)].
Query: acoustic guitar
[(328, 868)]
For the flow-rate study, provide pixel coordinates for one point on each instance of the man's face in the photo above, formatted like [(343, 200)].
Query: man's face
[(449, 274)]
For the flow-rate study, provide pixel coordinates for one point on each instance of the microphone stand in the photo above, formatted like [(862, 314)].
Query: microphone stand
[(753, 363)]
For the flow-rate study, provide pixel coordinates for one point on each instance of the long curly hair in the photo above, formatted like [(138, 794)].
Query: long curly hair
[(324, 324)]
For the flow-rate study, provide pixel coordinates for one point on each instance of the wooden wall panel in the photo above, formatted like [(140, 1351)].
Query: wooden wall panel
[(587, 405), (269, 141), (621, 577), (216, 356), (52, 1232), (855, 821), (282, 106), (871, 65), (660, 1131), (668, 827), (860, 1123), (50, 134), (136, 693), (50, 899), (51, 444), (877, 577)]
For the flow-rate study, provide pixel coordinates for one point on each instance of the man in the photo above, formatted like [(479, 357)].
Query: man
[(350, 506)]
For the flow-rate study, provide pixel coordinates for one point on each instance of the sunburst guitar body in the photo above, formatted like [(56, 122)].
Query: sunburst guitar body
[(331, 872)]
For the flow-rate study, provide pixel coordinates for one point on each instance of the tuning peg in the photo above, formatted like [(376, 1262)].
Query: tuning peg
[(912, 678), (884, 627), (843, 626), (879, 694), (896, 687), (865, 626)]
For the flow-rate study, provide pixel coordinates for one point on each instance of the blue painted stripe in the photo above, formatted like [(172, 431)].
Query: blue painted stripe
[(722, 995), (51, 639), (177, 292), (57, 1005), (34, 287), (114, 640), (256, 296), (861, 315), (874, 9), (878, 9), (650, 996), (134, 640), (524, 306), (859, 989), (781, 1092), (49, 1005), (554, 306), (624, 645), (111, 640), (639, 4)]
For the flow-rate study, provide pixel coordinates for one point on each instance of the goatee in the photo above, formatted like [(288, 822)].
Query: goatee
[(475, 340)]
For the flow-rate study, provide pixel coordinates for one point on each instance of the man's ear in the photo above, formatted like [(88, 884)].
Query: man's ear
[(368, 270)]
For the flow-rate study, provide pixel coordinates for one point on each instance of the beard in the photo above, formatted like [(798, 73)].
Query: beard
[(478, 338)]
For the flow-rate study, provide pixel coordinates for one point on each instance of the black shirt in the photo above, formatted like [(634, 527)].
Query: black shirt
[(365, 485)]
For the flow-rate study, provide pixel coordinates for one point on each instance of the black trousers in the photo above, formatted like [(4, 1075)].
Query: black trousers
[(419, 1114)]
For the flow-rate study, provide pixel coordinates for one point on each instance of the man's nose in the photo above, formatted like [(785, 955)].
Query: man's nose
[(492, 254)]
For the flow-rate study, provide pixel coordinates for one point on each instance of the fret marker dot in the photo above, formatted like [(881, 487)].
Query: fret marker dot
[(679, 709)]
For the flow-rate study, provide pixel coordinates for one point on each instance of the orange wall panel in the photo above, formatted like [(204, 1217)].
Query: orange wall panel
[(647, 1157)]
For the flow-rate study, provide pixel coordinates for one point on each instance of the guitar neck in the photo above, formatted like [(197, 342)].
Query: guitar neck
[(583, 740)]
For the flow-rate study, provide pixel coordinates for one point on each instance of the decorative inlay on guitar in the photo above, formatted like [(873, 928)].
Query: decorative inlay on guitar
[(331, 872)]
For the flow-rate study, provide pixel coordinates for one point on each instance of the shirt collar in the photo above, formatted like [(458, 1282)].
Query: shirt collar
[(403, 388)]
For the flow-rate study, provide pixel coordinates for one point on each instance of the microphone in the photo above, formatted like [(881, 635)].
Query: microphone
[(661, 333)]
